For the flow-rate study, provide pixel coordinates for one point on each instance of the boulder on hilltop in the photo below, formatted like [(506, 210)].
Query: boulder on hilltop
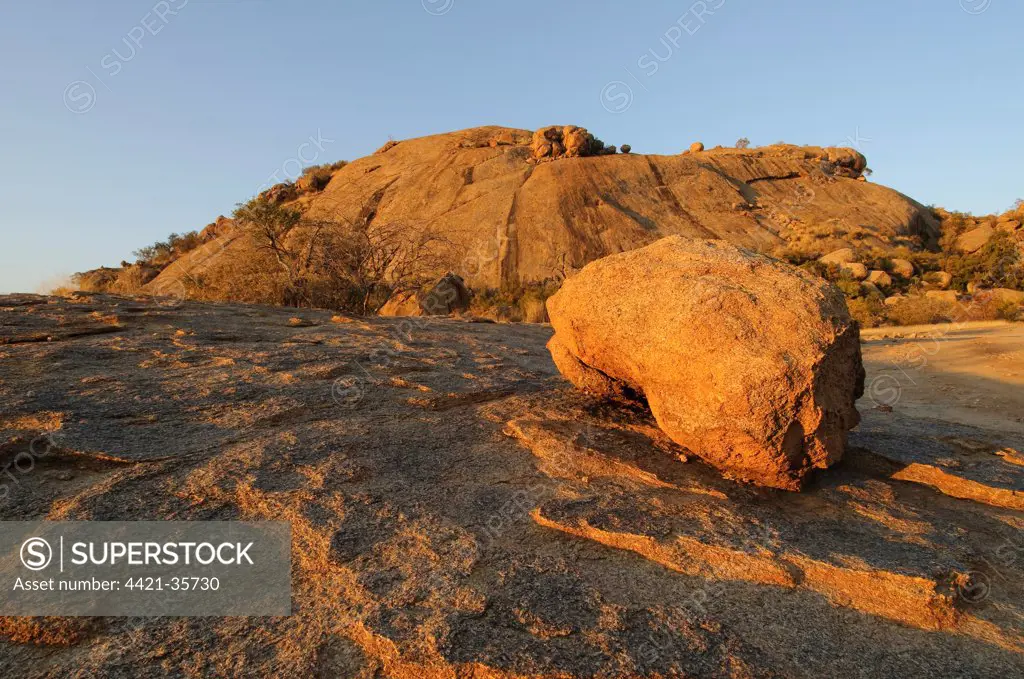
[(570, 141), (847, 162), (749, 363)]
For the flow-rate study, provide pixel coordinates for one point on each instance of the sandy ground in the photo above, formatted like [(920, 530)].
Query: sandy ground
[(969, 373)]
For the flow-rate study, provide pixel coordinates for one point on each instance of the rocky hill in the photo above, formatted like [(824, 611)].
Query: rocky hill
[(516, 207), (517, 221), (513, 213)]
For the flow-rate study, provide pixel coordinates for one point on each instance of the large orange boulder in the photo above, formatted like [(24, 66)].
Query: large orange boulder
[(752, 364)]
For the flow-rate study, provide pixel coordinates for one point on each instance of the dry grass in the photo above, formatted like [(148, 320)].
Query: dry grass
[(129, 281), (868, 311), (919, 310), (47, 631), (922, 311)]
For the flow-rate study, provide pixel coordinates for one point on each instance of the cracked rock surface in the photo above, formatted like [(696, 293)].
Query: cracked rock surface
[(459, 510)]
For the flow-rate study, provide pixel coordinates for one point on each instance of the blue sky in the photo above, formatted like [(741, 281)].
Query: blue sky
[(123, 121)]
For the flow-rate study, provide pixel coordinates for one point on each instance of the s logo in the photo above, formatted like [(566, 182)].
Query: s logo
[(36, 554)]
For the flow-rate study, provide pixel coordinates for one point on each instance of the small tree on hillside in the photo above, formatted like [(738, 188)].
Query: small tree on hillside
[(742, 143), (163, 253), (271, 226)]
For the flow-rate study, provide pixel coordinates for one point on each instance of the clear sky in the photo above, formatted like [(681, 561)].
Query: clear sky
[(123, 121)]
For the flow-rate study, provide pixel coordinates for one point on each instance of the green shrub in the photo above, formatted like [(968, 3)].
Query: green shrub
[(315, 178), (162, 253), (997, 265), (849, 287), (868, 311)]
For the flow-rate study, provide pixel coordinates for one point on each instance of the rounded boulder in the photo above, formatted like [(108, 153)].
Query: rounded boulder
[(750, 363)]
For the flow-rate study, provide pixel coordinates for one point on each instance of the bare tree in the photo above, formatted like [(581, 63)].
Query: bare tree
[(356, 266), (375, 261)]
